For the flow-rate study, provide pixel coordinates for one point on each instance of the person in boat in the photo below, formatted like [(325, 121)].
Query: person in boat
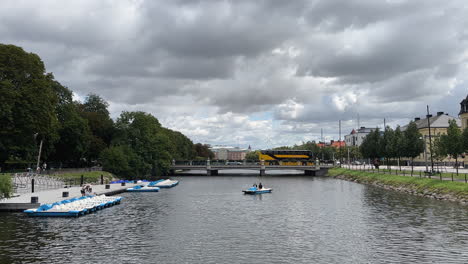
[(83, 190), (260, 186), (254, 185)]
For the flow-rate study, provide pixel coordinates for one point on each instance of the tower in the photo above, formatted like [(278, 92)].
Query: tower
[(464, 113)]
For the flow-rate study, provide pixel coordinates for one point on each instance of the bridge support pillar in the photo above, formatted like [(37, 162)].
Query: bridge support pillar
[(171, 172), (262, 172), (309, 172), (212, 172)]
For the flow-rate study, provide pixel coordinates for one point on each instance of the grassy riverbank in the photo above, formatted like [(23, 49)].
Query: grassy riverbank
[(89, 176), (446, 190)]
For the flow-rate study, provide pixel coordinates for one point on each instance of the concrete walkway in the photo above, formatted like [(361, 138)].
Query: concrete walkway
[(23, 201)]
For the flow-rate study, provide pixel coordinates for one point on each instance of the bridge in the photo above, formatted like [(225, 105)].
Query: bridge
[(213, 167)]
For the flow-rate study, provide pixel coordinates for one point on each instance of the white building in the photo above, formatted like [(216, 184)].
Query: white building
[(229, 153), (355, 138)]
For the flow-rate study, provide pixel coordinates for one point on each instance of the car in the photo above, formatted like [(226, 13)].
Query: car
[(233, 163)]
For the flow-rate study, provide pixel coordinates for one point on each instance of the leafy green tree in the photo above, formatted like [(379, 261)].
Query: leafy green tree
[(415, 142), (388, 146), (28, 105), (94, 111), (140, 136), (452, 142), (371, 147), (465, 140), (181, 147), (74, 133), (399, 143), (253, 156), (203, 151)]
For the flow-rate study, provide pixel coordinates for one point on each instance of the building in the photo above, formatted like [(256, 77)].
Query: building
[(356, 137), (332, 143), (438, 126), (229, 153), (464, 113)]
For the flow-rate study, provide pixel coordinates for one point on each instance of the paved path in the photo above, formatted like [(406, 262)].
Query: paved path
[(23, 201)]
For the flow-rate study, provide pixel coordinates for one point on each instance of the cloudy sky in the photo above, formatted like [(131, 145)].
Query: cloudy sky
[(264, 73)]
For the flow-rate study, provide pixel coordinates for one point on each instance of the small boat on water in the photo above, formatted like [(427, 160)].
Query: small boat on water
[(255, 190), (165, 183), (140, 188)]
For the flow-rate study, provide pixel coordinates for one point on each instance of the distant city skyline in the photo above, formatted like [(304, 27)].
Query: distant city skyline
[(259, 73)]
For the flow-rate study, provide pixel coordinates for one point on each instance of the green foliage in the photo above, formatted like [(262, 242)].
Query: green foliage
[(94, 111), (464, 139), (89, 176), (388, 147), (253, 156), (371, 147), (203, 151), (415, 142), (6, 186), (28, 104), (36, 108), (399, 142)]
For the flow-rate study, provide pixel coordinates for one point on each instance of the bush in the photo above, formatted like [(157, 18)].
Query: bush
[(6, 187)]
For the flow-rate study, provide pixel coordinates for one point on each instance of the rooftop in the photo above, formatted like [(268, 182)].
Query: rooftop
[(441, 120)]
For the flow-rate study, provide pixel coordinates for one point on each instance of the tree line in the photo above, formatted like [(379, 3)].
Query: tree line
[(393, 144), (410, 143), (37, 108)]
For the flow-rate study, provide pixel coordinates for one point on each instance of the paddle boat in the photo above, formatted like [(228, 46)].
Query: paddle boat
[(166, 183), (255, 190), (74, 206), (140, 188)]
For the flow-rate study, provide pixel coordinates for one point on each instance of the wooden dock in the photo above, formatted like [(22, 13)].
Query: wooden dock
[(23, 201)]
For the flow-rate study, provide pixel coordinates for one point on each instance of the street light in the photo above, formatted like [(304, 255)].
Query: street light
[(40, 150)]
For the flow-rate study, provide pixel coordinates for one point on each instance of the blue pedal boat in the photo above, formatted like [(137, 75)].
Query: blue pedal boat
[(140, 188), (255, 190)]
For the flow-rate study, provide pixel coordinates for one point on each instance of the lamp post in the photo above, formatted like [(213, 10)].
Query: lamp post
[(430, 140), (40, 150)]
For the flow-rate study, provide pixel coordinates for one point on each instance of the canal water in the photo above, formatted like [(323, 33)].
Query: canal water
[(209, 220)]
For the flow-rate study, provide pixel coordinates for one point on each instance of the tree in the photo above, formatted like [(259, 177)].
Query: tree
[(140, 137), (73, 130), (27, 105), (371, 146), (253, 156), (415, 142), (452, 142), (388, 145), (399, 143), (94, 111), (203, 151), (465, 140)]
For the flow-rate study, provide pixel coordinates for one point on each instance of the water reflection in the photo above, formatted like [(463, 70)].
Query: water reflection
[(209, 220)]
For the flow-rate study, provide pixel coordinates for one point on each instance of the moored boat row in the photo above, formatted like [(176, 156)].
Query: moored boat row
[(75, 206), (154, 186)]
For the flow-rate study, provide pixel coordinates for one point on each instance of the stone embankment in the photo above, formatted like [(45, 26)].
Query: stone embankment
[(440, 194)]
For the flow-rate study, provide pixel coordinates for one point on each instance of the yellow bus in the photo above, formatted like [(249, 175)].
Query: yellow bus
[(287, 157)]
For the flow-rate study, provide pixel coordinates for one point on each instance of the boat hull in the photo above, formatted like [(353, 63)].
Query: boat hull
[(257, 191)]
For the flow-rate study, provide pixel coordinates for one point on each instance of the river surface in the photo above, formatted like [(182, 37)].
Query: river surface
[(209, 220)]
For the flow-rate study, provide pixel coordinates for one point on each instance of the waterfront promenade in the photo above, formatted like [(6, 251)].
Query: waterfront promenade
[(23, 201)]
